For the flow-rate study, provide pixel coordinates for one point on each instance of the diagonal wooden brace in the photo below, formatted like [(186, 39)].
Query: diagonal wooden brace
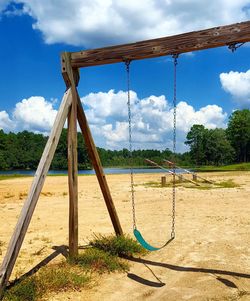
[(93, 154), (35, 190)]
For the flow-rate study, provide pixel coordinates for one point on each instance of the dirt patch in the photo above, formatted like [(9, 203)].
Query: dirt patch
[(208, 260)]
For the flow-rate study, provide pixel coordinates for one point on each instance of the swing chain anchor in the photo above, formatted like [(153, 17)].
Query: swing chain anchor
[(127, 64), (175, 57), (234, 46)]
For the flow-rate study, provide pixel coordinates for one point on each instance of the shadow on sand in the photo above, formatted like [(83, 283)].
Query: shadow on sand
[(63, 250), (159, 283)]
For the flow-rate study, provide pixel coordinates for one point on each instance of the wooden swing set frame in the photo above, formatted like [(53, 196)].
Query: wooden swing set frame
[(72, 110)]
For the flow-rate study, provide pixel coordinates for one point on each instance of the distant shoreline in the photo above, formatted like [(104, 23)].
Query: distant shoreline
[(126, 170)]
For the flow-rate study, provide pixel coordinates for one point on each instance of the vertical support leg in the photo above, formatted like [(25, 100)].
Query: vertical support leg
[(35, 190), (72, 178), (93, 154), (71, 78)]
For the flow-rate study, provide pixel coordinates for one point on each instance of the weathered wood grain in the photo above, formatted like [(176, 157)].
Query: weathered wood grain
[(72, 81), (68, 73), (35, 190), (191, 41), (73, 180), (93, 154)]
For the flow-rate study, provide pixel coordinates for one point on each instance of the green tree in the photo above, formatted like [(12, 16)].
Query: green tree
[(218, 149), (238, 133), (3, 163), (60, 160), (83, 158), (196, 139)]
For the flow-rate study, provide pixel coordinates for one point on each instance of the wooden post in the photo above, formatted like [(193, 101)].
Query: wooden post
[(194, 177), (93, 154), (163, 181), (72, 180), (71, 79), (35, 190)]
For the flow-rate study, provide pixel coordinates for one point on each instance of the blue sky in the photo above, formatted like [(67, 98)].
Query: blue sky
[(211, 83)]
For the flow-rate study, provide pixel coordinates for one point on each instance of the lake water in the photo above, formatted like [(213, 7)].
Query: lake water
[(107, 171)]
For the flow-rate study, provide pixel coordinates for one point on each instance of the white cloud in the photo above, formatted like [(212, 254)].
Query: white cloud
[(5, 122), (106, 104), (33, 114), (152, 120), (92, 23), (238, 85)]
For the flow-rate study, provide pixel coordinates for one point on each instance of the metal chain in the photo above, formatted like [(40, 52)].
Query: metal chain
[(127, 64), (175, 57)]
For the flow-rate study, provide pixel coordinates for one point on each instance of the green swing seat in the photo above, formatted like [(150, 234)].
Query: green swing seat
[(143, 242), (146, 245)]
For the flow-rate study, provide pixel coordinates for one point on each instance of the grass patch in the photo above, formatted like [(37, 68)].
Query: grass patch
[(158, 184), (95, 260), (231, 167), (227, 184), (25, 290), (122, 246), (105, 252), (152, 184), (203, 185), (7, 177), (102, 256), (224, 184), (168, 184), (62, 277), (54, 278)]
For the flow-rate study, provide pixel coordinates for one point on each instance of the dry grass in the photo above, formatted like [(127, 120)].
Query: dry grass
[(75, 274), (202, 184), (54, 278)]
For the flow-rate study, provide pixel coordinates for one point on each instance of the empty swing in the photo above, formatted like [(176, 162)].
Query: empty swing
[(136, 232)]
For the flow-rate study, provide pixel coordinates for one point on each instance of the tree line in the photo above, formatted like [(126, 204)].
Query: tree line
[(207, 147), (221, 146)]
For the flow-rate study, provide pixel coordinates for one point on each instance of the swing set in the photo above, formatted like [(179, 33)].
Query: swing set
[(232, 36)]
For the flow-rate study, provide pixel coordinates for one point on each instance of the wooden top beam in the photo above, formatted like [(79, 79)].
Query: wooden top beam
[(191, 41)]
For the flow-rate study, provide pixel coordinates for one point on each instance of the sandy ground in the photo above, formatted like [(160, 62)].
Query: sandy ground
[(208, 260)]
